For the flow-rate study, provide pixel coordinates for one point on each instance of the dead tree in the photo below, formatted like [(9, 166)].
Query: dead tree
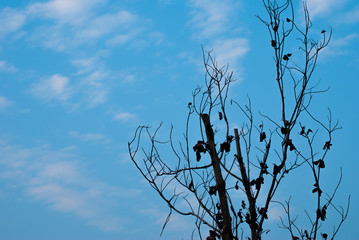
[(206, 173)]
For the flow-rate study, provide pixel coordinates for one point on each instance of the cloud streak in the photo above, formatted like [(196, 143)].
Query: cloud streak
[(214, 20), (57, 179), (210, 17), (55, 87)]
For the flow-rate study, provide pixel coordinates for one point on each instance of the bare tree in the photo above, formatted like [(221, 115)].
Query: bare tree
[(230, 191)]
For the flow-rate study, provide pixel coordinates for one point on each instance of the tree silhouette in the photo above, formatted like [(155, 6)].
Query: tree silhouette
[(214, 167)]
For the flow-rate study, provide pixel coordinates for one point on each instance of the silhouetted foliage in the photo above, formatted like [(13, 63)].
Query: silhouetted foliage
[(223, 167)]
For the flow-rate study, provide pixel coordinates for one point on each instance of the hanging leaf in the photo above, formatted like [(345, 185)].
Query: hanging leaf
[(220, 115), (327, 145), (262, 136), (212, 190), (236, 186), (273, 43)]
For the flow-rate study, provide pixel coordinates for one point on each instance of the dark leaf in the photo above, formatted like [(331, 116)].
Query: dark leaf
[(198, 156), (262, 136), (303, 131), (225, 147), (288, 20), (316, 189), (200, 147), (285, 57), (325, 236), (253, 182), (230, 138), (327, 145), (275, 28), (220, 225), (243, 204), (191, 187), (276, 169), (284, 130), (323, 31), (259, 182), (212, 190), (220, 115), (321, 164), (236, 186), (290, 144), (264, 167), (219, 217), (273, 43), (263, 213)]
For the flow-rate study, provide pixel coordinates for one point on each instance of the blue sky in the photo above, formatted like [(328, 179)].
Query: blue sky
[(77, 77)]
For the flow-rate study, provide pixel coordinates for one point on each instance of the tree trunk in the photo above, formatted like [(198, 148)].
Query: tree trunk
[(220, 183)]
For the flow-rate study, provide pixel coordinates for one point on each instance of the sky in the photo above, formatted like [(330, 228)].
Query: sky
[(78, 77)]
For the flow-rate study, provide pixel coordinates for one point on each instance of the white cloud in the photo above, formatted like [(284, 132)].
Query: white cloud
[(97, 137), (350, 17), (230, 51), (210, 18), (10, 21), (124, 116), (94, 81), (107, 23), (78, 24), (4, 103), (95, 88), (85, 65), (6, 67), (64, 11), (340, 46), (55, 87), (122, 38), (323, 7), (57, 179)]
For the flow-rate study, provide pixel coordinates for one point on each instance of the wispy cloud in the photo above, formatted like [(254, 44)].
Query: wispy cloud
[(214, 20), (7, 67), (230, 51), (349, 17), (107, 23), (4, 103), (59, 180), (95, 88), (55, 87), (124, 116), (77, 24), (323, 7), (210, 17), (340, 45), (95, 137), (64, 11), (11, 20), (75, 27)]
